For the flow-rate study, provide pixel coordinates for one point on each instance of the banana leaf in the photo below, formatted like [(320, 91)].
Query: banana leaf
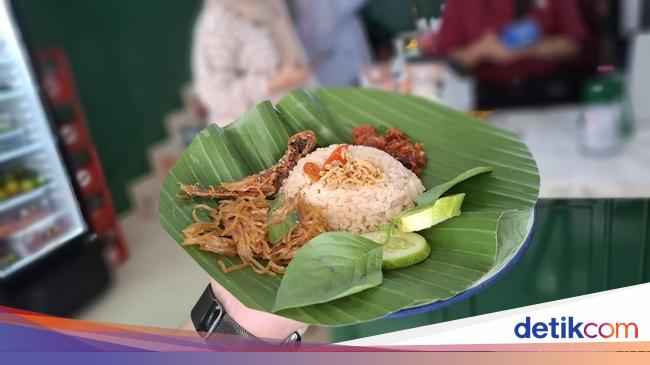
[(466, 250)]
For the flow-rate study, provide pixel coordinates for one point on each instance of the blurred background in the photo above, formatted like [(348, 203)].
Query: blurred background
[(98, 99)]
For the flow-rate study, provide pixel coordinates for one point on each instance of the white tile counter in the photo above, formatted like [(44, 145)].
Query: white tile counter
[(551, 135)]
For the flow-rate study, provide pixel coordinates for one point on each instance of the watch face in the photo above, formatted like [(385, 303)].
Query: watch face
[(293, 339), (206, 314)]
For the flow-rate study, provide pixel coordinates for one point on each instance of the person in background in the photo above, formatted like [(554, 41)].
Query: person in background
[(471, 37), (244, 52), (334, 38)]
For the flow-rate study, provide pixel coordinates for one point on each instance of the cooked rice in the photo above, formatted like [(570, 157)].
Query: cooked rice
[(357, 208)]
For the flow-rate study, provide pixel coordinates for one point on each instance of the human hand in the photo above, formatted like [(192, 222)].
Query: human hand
[(288, 78), (490, 48), (427, 42), (258, 323)]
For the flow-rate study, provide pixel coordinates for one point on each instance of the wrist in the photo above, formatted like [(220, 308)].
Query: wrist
[(470, 57), (542, 51), (258, 323)]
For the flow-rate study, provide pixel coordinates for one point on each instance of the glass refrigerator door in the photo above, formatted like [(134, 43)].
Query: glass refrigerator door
[(38, 208)]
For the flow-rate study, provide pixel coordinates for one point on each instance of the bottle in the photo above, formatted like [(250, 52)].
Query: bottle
[(398, 67), (601, 124)]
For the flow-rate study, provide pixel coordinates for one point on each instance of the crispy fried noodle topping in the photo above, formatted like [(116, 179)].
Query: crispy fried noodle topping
[(237, 227), (355, 172)]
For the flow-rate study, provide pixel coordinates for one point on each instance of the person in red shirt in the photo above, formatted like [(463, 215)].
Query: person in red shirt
[(470, 37)]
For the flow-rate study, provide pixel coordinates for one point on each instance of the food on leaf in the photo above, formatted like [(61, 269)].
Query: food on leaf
[(312, 170), (337, 157), (367, 191), (266, 182), (466, 250), (402, 249), (435, 192), (429, 215), (331, 266), (395, 143), (282, 217), (298, 217), (239, 227)]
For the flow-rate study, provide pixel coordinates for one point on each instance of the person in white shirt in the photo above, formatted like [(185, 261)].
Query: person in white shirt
[(244, 52)]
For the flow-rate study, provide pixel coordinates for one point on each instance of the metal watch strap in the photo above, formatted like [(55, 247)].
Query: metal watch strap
[(209, 317), (229, 326)]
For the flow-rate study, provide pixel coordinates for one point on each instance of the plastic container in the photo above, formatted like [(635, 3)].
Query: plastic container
[(521, 34), (601, 124)]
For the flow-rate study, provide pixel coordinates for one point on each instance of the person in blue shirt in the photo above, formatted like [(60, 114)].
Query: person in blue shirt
[(333, 35)]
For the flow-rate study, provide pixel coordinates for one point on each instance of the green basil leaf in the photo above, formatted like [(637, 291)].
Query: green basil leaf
[(330, 266), (277, 231), (276, 204), (431, 195)]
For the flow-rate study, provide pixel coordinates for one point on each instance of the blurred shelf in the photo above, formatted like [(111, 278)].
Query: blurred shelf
[(18, 152), (47, 248), (5, 57), (42, 223), (10, 94), (15, 132), (9, 227), (24, 197)]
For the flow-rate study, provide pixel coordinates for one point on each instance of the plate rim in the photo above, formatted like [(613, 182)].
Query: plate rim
[(426, 308)]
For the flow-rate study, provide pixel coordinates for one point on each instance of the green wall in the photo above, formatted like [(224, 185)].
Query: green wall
[(130, 59)]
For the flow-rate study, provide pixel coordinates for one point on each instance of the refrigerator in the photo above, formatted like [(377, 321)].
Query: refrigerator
[(50, 260)]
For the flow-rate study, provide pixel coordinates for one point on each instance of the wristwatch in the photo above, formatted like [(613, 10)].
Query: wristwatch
[(210, 317)]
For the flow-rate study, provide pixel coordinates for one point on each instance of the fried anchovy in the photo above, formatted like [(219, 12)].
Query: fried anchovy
[(266, 182)]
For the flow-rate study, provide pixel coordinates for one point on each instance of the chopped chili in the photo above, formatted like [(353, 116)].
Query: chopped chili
[(312, 170), (337, 155)]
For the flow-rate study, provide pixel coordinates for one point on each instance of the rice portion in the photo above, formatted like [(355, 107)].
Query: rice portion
[(360, 208)]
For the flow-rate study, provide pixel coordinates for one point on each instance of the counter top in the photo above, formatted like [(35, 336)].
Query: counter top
[(566, 172)]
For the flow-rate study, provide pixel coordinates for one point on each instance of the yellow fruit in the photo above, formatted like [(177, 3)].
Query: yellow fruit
[(26, 185), (12, 187)]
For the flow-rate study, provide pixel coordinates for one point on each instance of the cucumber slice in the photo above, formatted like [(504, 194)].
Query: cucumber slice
[(402, 250), (377, 236), (431, 214)]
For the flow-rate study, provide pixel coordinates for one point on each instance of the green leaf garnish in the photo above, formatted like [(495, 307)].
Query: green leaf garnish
[(431, 195), (330, 266), (277, 231)]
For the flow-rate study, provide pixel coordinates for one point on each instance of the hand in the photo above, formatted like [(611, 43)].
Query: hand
[(260, 324), (199, 108), (427, 42), (289, 78), (490, 48)]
